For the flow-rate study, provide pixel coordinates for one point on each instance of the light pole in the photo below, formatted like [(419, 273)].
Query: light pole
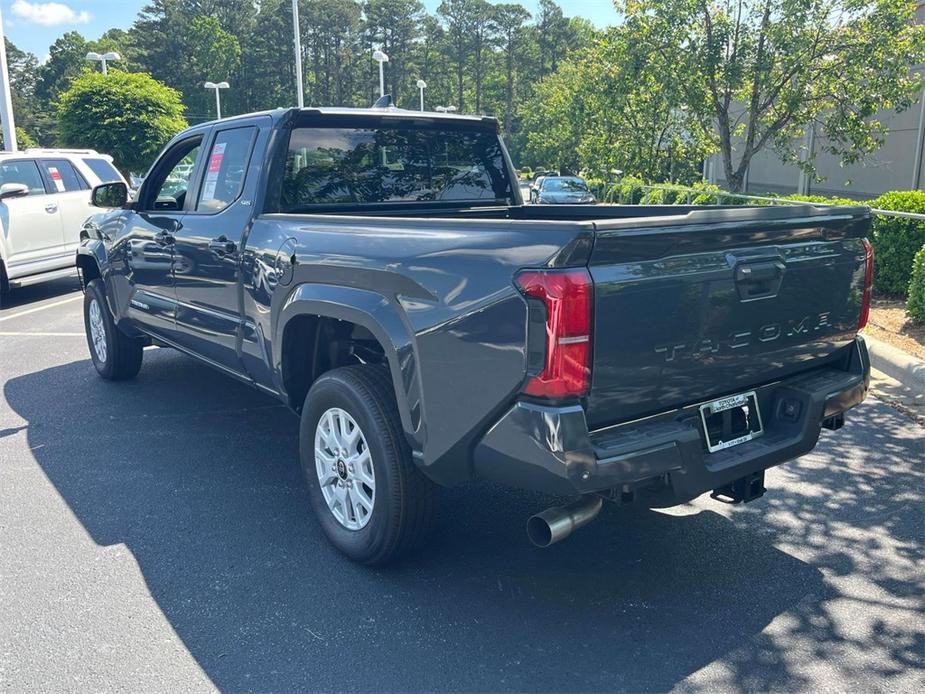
[(422, 85), (112, 55), (298, 54), (381, 58), (6, 102), (218, 99), (445, 109)]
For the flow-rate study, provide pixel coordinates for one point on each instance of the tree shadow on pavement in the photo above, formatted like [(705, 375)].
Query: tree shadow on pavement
[(199, 477)]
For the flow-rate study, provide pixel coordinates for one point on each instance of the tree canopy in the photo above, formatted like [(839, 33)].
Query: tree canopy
[(675, 81), (758, 73), (128, 115)]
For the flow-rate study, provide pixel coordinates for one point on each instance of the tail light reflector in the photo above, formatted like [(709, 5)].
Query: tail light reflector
[(567, 297)]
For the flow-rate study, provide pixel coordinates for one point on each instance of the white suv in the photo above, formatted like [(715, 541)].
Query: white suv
[(44, 201)]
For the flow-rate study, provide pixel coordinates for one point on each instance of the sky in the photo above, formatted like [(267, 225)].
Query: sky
[(33, 25)]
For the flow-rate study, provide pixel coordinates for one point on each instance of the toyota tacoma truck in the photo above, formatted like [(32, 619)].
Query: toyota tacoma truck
[(377, 271)]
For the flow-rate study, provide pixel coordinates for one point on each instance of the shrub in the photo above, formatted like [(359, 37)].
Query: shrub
[(627, 191), (896, 240), (129, 115), (23, 140), (915, 306), (822, 200)]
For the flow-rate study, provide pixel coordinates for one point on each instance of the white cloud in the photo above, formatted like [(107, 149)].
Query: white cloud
[(49, 13)]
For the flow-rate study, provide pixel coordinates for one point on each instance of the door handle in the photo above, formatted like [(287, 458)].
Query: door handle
[(51, 207), (222, 245), (163, 239)]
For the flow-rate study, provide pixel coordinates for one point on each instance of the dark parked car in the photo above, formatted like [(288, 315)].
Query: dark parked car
[(563, 190), (377, 271)]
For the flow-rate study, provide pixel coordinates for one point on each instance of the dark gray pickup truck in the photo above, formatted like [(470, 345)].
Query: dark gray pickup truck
[(377, 270)]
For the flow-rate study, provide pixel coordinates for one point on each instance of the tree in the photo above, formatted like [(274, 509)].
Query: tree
[(267, 71), (23, 70), (607, 108), (395, 27), (758, 73), (214, 56), (66, 60), (128, 115), (331, 32), (509, 20), (457, 16), (23, 139)]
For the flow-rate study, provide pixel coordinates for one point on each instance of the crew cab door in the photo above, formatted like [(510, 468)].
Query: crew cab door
[(31, 225), (143, 259), (208, 246)]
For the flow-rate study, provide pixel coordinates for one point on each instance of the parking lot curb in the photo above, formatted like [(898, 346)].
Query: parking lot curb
[(896, 364)]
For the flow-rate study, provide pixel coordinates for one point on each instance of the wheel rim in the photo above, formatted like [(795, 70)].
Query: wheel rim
[(97, 330), (344, 467)]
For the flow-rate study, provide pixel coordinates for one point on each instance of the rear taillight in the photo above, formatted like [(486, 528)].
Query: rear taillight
[(868, 283), (567, 297)]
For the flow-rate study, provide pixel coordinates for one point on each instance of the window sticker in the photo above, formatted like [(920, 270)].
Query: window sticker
[(56, 177), (215, 165)]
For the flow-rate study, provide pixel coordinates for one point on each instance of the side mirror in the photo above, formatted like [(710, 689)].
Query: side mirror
[(13, 190), (109, 195)]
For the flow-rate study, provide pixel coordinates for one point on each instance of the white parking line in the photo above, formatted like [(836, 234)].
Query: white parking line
[(32, 334), (42, 308)]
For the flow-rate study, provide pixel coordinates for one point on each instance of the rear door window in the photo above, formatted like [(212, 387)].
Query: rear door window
[(368, 165), (62, 175), (23, 171), (104, 171), (225, 169)]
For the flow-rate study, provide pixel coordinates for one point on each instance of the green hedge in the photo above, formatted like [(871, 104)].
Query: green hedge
[(915, 306), (896, 240)]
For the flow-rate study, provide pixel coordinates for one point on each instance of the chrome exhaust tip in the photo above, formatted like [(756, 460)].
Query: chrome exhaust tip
[(557, 523)]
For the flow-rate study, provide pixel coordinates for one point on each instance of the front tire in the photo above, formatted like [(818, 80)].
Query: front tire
[(116, 356), (370, 499)]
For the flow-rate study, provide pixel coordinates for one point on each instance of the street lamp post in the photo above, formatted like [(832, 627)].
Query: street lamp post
[(422, 85), (218, 100), (104, 58), (6, 99), (297, 39), (381, 58)]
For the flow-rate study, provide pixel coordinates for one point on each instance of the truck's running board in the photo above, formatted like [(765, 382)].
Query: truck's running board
[(43, 277)]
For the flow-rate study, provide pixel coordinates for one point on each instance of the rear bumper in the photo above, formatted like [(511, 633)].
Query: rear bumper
[(550, 449)]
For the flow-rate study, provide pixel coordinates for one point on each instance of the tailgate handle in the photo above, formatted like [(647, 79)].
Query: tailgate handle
[(759, 280)]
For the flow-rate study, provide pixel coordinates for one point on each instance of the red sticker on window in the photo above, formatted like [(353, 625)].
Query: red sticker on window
[(53, 172)]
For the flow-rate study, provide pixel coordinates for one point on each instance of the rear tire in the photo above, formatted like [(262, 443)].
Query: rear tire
[(116, 356), (402, 499)]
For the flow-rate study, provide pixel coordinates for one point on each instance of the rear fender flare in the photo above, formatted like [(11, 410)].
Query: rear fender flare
[(384, 318)]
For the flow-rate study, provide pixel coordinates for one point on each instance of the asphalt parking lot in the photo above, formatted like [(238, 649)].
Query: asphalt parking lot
[(156, 535)]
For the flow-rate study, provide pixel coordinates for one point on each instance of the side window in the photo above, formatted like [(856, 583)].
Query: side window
[(63, 177), (25, 172), (104, 171), (165, 189), (225, 169)]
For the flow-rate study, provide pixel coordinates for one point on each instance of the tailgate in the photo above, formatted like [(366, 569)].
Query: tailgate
[(714, 302)]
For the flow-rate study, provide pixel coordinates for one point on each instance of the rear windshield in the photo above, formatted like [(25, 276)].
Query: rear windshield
[(345, 166), (567, 184), (104, 171)]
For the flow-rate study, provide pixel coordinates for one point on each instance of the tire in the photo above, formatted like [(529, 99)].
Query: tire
[(117, 356), (403, 499)]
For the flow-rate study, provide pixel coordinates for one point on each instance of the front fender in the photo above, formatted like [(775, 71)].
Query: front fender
[(383, 318), (95, 250)]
